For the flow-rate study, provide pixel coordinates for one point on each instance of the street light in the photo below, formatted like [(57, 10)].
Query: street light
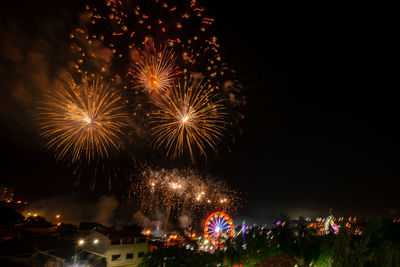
[(80, 243)]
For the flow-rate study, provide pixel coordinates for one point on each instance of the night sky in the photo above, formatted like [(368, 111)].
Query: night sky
[(321, 120)]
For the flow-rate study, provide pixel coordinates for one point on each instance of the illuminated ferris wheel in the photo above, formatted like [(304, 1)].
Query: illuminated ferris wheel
[(218, 228)]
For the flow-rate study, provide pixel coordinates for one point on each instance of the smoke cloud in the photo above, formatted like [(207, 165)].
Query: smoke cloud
[(185, 222), (73, 209), (105, 209), (30, 62), (140, 219)]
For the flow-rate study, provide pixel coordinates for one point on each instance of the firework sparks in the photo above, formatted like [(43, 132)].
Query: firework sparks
[(185, 27), (82, 121), (184, 191), (151, 47), (187, 118), (155, 70)]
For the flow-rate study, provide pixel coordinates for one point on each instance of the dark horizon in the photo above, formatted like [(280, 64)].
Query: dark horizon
[(320, 128)]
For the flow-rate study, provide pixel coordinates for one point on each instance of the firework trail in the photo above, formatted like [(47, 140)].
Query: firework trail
[(82, 121), (187, 119)]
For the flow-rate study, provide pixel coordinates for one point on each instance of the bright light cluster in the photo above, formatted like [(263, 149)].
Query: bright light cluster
[(218, 228), (329, 222)]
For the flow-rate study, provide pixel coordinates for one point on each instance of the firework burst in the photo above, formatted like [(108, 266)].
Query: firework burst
[(183, 191), (82, 121), (154, 70), (187, 119), (112, 33), (146, 45)]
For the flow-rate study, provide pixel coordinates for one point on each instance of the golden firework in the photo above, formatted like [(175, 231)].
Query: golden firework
[(187, 118), (82, 121), (154, 70), (184, 190)]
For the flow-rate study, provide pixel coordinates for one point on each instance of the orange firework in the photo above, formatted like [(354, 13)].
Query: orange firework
[(187, 118), (82, 121), (154, 70)]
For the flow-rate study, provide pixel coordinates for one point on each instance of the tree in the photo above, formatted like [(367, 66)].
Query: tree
[(308, 248), (384, 251), (69, 232), (10, 215), (176, 256), (37, 222), (133, 227)]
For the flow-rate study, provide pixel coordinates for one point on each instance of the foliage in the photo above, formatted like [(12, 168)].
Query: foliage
[(132, 227), (9, 215), (176, 256), (37, 222), (279, 261), (379, 245), (69, 232), (369, 249)]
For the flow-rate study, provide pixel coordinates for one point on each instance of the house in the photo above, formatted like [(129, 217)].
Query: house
[(118, 248), (36, 251)]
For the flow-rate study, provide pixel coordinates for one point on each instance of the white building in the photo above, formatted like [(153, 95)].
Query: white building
[(120, 248)]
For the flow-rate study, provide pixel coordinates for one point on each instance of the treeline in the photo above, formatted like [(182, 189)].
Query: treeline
[(378, 245)]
